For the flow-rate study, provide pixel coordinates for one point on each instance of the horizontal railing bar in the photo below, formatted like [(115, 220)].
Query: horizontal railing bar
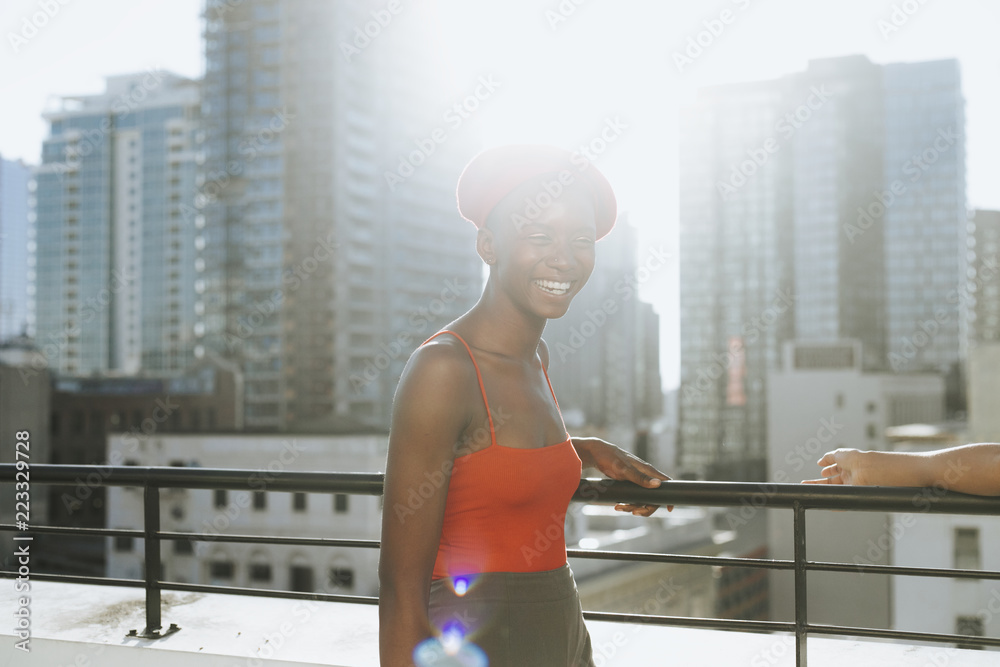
[(877, 633), (198, 588), (691, 622), (256, 539), (361, 483), (820, 566), (782, 496), (647, 557), (67, 530), (267, 592), (76, 579), (676, 492)]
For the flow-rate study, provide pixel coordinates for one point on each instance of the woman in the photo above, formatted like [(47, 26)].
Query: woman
[(481, 469)]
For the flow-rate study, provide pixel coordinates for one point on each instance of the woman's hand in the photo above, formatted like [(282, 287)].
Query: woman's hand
[(618, 464)]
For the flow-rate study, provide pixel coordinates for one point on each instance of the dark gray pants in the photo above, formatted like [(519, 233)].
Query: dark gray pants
[(519, 619)]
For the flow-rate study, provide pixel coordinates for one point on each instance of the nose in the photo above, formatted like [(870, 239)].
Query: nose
[(561, 257)]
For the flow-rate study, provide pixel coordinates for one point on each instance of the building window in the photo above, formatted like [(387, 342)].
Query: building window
[(302, 578), (221, 498), (78, 422), (969, 625), (341, 578), (96, 423), (299, 502), (967, 554), (260, 572), (340, 503), (259, 500), (123, 543), (221, 569), (183, 547)]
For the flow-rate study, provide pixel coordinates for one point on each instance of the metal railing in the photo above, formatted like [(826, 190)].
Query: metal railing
[(797, 497)]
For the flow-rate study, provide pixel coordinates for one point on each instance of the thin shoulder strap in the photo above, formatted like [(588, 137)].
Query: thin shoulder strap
[(555, 399), (482, 389)]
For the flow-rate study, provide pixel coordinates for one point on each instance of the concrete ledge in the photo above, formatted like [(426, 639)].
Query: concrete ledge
[(76, 625)]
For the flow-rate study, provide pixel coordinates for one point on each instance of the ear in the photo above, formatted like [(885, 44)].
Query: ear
[(486, 245)]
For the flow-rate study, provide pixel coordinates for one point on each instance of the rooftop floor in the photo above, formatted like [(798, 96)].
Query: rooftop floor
[(84, 626)]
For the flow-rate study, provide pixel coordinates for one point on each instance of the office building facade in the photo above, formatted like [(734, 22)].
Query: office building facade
[(824, 205), (114, 265), (14, 178), (332, 247)]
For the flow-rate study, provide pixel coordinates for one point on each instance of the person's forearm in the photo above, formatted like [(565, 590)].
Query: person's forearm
[(968, 469), (971, 468), (401, 628)]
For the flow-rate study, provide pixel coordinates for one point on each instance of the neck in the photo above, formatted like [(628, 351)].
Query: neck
[(500, 327)]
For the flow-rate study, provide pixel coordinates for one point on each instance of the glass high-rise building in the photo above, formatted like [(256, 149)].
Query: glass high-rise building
[(333, 244), (114, 253), (821, 206), (14, 178)]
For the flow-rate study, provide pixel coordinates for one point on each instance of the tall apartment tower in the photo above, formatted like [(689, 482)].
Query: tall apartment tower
[(604, 352), (14, 177), (114, 257), (984, 282), (825, 205), (736, 271), (333, 244)]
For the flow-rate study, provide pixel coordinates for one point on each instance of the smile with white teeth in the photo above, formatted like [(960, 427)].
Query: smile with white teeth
[(552, 287)]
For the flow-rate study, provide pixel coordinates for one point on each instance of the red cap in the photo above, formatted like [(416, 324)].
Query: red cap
[(496, 172)]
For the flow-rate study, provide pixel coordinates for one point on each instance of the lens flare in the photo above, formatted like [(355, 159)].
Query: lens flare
[(451, 650), (461, 585)]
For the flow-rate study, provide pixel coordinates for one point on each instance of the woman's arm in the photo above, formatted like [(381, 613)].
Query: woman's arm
[(971, 468), (429, 415)]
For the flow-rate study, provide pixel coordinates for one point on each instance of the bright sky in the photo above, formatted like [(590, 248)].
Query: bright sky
[(560, 81)]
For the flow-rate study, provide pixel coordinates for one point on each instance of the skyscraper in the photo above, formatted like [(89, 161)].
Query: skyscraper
[(14, 177), (983, 291), (736, 270), (824, 205), (114, 257), (333, 244)]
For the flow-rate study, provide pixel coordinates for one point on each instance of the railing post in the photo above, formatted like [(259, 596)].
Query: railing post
[(799, 539), (151, 548), (151, 507)]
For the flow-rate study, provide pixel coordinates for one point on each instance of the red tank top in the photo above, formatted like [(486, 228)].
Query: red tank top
[(506, 506)]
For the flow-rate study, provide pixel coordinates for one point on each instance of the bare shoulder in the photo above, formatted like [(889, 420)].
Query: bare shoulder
[(543, 353), (438, 376)]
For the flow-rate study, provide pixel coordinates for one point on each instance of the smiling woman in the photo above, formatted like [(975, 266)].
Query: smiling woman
[(465, 572)]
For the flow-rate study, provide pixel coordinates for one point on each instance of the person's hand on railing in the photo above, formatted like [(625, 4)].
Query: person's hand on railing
[(971, 468), (618, 464), (843, 466)]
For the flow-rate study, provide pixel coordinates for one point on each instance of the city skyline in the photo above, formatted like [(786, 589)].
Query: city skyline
[(575, 109)]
